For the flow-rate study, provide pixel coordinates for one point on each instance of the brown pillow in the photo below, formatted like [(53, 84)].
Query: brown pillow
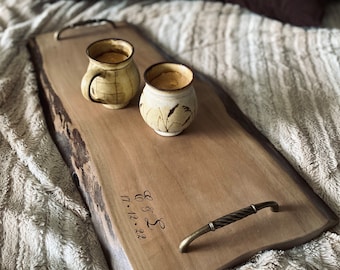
[(295, 12)]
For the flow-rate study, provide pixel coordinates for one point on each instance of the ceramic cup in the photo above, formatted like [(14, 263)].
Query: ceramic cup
[(112, 77), (168, 103)]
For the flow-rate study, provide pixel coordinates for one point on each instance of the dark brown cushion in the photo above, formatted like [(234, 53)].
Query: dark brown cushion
[(295, 12)]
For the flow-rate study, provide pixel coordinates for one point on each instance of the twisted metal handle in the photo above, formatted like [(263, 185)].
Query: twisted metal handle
[(225, 220)]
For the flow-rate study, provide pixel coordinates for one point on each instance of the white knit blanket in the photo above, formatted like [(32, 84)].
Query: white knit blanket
[(285, 79)]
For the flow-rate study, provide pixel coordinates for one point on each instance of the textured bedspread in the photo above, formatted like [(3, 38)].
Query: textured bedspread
[(285, 79)]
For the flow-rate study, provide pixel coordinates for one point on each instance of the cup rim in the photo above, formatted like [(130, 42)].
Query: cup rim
[(168, 63), (110, 39)]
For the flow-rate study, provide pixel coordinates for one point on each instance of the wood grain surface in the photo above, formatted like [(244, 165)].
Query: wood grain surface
[(149, 191)]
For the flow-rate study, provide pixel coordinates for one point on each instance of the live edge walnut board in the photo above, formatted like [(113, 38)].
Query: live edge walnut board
[(150, 192)]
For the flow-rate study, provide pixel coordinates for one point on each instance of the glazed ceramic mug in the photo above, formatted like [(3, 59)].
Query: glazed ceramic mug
[(112, 77), (168, 103)]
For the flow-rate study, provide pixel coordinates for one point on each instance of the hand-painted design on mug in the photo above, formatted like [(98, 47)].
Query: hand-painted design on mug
[(112, 77), (168, 103)]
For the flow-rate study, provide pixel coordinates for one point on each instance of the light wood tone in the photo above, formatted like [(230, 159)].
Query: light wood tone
[(213, 168)]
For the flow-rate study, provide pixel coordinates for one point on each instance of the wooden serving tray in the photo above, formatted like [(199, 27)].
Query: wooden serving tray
[(152, 191)]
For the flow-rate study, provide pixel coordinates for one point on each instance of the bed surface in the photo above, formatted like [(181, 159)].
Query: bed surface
[(284, 78)]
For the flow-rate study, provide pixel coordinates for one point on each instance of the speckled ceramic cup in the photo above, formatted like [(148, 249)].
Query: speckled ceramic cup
[(112, 77), (168, 103)]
